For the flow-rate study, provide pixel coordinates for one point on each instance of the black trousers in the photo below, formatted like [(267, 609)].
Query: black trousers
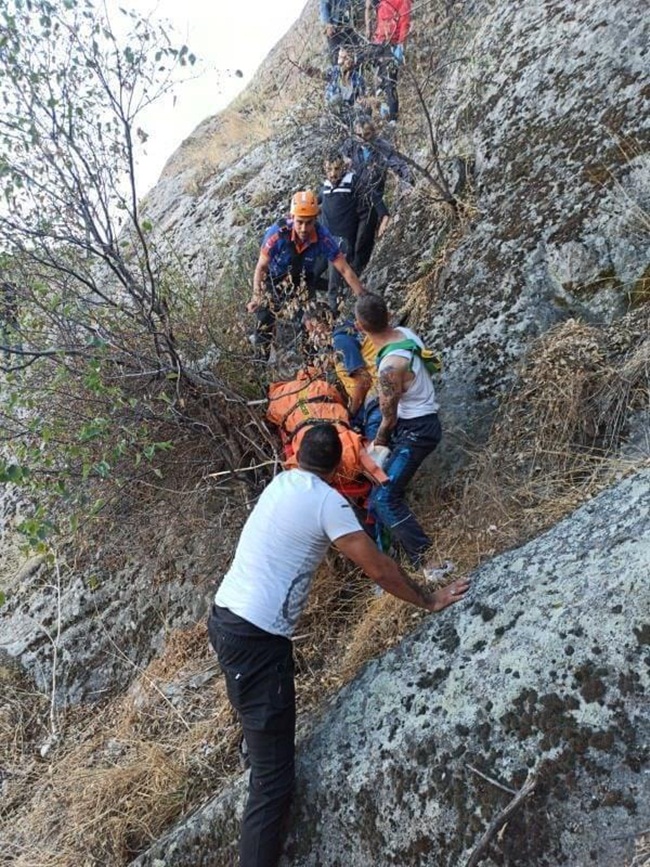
[(365, 240), (259, 670)]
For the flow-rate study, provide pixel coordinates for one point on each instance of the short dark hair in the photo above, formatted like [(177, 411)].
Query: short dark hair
[(320, 449), (372, 312), (334, 156)]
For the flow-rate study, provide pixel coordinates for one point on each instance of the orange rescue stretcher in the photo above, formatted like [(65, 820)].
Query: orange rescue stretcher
[(307, 400)]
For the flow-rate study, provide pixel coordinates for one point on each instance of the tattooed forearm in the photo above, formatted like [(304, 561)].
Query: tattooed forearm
[(390, 391)]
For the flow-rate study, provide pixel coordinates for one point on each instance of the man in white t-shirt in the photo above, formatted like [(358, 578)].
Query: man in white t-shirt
[(256, 609), (409, 427)]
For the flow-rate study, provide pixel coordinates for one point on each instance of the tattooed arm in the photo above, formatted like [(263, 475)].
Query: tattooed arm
[(391, 388)]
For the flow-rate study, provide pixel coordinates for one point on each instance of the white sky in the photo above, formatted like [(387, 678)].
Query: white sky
[(225, 35)]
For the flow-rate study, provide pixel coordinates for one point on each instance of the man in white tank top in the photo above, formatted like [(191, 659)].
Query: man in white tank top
[(256, 610), (409, 427)]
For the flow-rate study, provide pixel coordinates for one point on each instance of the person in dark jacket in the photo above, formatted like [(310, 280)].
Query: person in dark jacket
[(371, 158), (342, 20), (343, 201)]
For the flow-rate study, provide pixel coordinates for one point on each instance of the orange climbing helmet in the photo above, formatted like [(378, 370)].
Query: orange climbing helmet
[(304, 205)]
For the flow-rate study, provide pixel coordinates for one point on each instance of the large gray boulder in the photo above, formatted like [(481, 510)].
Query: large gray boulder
[(87, 633), (543, 671), (549, 103)]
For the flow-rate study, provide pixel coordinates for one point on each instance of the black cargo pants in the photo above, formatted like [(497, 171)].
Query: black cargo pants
[(258, 668)]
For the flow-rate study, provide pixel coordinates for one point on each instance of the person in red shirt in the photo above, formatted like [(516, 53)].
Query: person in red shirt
[(393, 20), (392, 25)]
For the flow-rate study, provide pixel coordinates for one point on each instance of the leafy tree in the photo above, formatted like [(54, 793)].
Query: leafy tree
[(92, 359), (72, 94)]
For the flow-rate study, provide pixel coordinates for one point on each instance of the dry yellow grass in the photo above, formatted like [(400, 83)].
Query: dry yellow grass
[(421, 294), (277, 89), (642, 851), (119, 777), (120, 774)]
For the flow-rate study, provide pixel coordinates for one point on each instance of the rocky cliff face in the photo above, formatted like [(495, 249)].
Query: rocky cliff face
[(547, 103), (546, 670), (544, 673), (542, 676)]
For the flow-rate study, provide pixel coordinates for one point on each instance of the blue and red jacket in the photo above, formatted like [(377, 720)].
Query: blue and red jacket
[(284, 249)]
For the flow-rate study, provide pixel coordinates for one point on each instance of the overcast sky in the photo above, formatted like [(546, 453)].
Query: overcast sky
[(225, 35)]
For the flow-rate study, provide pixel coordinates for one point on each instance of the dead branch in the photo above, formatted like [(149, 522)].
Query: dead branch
[(241, 470), (499, 821), (490, 780)]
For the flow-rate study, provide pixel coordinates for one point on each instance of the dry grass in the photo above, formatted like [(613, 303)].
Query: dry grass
[(121, 773), (120, 777), (422, 293), (642, 851), (255, 116), (554, 446)]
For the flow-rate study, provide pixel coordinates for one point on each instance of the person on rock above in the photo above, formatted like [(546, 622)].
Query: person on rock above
[(343, 201), (393, 21), (342, 20), (371, 158), (346, 88)]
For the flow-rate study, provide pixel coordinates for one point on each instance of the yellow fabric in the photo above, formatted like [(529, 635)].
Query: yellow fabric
[(369, 355)]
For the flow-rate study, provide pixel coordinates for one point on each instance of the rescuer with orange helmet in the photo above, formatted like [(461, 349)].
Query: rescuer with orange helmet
[(295, 252)]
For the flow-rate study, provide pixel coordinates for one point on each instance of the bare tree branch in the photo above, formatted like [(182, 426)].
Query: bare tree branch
[(500, 819)]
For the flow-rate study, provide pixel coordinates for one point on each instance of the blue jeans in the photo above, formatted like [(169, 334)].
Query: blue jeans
[(368, 418), (413, 440), (258, 668)]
